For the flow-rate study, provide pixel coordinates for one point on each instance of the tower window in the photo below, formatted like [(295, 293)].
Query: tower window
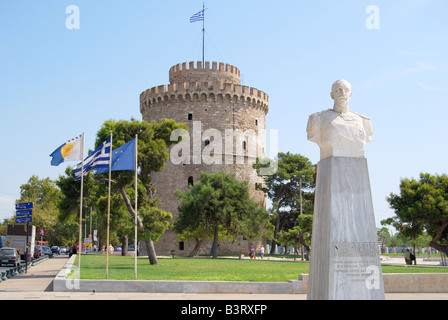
[(244, 145), (190, 116), (190, 181), (207, 142), (256, 122)]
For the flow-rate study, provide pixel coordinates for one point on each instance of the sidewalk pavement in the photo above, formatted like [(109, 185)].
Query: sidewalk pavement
[(36, 284)]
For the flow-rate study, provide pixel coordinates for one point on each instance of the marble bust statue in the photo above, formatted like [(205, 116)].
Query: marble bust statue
[(340, 132)]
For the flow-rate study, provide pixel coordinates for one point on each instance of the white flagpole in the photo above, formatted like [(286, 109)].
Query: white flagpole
[(80, 208), (203, 35), (108, 210), (135, 218)]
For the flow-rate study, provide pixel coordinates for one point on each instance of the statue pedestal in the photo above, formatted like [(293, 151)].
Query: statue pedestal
[(344, 263)]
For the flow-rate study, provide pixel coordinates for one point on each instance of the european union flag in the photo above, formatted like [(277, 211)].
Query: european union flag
[(123, 158)]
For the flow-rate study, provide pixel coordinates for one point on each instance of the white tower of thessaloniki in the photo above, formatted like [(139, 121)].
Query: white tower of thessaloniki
[(227, 132)]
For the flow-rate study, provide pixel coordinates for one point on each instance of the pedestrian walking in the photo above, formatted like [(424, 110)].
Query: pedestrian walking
[(252, 252)]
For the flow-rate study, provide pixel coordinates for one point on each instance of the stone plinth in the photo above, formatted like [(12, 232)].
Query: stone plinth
[(345, 261)]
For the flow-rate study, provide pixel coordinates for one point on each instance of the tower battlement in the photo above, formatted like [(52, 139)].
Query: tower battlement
[(204, 91), (191, 72), (190, 82)]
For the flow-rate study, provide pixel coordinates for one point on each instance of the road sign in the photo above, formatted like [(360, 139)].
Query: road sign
[(24, 213), (41, 232), (25, 205), (24, 219)]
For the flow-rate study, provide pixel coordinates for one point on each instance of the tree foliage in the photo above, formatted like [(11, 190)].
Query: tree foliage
[(283, 189), (300, 234), (422, 205), (46, 196), (219, 206)]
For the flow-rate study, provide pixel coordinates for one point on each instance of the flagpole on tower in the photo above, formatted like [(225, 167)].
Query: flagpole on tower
[(203, 35)]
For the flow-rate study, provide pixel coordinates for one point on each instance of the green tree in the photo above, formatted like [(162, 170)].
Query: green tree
[(283, 189), (300, 234), (219, 206), (384, 236), (46, 196), (70, 201), (422, 205), (153, 141)]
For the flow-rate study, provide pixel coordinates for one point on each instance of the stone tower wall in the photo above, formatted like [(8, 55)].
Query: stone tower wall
[(208, 98)]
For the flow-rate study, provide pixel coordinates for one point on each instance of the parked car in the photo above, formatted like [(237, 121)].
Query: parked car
[(63, 250), (47, 251), (38, 252), (9, 256), (55, 249)]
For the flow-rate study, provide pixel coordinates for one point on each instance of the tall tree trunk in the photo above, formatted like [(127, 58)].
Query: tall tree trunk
[(151, 252), (196, 248), (129, 206), (149, 244), (124, 247), (434, 242), (214, 251), (274, 248)]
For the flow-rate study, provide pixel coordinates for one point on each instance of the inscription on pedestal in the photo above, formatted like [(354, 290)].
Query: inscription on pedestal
[(356, 262), (356, 249)]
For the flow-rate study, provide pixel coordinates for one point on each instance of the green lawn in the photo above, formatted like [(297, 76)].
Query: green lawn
[(206, 269)]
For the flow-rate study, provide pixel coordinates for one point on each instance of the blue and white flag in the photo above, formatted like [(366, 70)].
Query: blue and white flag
[(97, 160), (69, 151), (197, 17), (123, 158)]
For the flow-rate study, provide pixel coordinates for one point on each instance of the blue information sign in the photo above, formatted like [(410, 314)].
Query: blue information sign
[(25, 205), (24, 219), (24, 213)]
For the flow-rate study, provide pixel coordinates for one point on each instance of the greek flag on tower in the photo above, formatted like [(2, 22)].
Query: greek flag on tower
[(197, 17)]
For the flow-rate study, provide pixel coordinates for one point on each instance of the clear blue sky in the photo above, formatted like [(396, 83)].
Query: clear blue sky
[(56, 83)]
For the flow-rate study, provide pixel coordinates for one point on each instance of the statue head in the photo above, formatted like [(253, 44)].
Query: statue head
[(341, 92)]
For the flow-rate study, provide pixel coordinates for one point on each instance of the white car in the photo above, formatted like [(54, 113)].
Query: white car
[(9, 256)]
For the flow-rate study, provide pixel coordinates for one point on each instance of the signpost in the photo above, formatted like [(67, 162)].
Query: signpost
[(24, 219), (25, 205), (24, 214)]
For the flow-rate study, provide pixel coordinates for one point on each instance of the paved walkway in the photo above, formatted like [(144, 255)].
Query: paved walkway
[(36, 284)]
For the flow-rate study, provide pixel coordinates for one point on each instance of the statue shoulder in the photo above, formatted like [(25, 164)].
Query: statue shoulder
[(360, 115), (321, 113)]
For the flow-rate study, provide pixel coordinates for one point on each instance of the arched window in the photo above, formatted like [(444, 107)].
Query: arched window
[(190, 181)]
